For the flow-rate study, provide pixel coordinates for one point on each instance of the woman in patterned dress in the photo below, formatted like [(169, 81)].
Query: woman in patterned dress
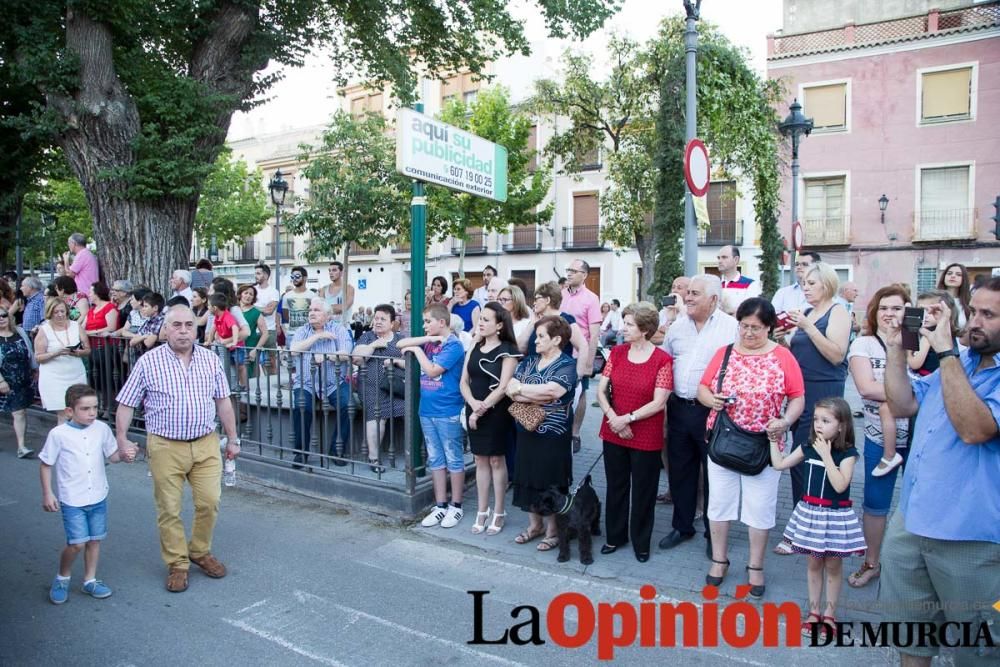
[(544, 456), (759, 378), (16, 363), (371, 350)]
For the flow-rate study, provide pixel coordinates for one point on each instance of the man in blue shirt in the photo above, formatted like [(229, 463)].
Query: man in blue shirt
[(440, 355), (943, 545), (34, 303)]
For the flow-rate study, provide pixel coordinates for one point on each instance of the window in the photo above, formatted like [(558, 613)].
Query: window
[(926, 279), (368, 103), (591, 161), (947, 94), (945, 211), (827, 104), (825, 220), (724, 228), (459, 87), (586, 229)]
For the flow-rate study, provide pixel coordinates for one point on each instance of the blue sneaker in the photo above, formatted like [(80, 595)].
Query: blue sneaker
[(97, 589), (59, 592)]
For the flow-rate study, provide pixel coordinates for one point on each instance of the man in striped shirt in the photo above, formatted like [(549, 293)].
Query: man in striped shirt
[(182, 387)]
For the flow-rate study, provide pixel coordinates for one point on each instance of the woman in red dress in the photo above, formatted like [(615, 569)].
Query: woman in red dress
[(640, 378)]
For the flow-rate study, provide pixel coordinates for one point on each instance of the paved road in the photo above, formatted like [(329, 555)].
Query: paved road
[(311, 584)]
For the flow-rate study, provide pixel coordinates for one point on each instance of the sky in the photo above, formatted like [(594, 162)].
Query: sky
[(307, 96)]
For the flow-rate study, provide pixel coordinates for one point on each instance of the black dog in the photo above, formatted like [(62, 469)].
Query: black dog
[(576, 515)]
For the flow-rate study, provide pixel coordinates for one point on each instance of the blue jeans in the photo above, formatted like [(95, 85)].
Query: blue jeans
[(303, 406), (445, 439), (878, 490), (85, 524)]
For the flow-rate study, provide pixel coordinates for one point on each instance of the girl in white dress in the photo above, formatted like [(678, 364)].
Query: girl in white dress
[(60, 346)]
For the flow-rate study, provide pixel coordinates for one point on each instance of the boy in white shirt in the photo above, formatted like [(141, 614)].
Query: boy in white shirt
[(77, 450)]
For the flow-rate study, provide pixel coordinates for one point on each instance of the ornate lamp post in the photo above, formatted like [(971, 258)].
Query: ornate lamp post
[(278, 188), (883, 203), (795, 126)]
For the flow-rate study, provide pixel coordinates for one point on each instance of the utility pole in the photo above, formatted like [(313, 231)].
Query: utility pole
[(693, 10)]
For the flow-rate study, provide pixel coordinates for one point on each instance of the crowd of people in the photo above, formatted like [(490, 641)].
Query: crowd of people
[(719, 387)]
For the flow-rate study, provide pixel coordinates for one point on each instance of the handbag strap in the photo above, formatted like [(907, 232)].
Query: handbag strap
[(722, 368)]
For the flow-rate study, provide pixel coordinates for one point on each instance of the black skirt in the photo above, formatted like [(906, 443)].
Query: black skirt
[(542, 461), (492, 432)]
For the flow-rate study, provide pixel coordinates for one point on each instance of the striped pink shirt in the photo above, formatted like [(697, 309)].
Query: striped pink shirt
[(179, 402)]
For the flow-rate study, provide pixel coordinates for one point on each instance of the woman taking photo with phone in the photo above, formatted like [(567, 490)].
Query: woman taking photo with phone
[(60, 346)]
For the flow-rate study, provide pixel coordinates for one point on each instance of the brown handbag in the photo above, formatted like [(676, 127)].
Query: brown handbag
[(529, 415)]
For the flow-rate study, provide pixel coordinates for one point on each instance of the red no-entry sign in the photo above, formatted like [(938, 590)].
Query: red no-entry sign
[(697, 172)]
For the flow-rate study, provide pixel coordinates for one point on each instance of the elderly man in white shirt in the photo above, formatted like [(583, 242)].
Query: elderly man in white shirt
[(692, 339), (180, 283)]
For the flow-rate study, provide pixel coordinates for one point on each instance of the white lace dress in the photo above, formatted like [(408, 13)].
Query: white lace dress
[(57, 374)]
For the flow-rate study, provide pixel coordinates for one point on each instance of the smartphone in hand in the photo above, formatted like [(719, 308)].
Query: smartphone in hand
[(785, 321), (913, 319)]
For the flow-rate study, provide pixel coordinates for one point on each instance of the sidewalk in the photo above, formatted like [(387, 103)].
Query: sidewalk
[(680, 571)]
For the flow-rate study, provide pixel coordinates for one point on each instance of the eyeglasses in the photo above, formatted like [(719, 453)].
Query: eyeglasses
[(505, 299), (569, 270), (4, 315), (803, 265), (296, 276), (540, 296), (752, 328)]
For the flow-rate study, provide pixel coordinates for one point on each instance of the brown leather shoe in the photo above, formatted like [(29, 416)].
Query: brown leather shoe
[(210, 565), (177, 580)]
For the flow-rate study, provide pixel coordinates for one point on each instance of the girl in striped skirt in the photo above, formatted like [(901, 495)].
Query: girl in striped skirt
[(824, 525)]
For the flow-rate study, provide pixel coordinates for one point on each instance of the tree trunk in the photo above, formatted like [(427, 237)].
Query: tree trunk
[(646, 246)]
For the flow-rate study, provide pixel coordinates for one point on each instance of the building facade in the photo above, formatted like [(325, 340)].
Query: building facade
[(905, 100)]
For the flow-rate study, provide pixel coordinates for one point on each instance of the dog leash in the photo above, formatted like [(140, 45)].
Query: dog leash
[(586, 475)]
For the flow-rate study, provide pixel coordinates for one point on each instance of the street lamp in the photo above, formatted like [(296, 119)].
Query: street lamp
[(49, 225), (796, 126), (278, 188), (883, 203)]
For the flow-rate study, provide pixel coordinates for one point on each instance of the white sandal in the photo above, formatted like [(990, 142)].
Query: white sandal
[(480, 527), (890, 465), (494, 526)]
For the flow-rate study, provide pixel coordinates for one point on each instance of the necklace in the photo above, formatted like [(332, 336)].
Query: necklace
[(55, 332)]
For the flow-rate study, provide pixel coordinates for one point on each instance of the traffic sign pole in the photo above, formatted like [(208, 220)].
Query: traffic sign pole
[(418, 283)]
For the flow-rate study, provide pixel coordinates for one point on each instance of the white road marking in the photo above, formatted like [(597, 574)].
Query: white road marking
[(282, 642)]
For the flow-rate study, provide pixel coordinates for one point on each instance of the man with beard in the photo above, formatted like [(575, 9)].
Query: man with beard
[(942, 548)]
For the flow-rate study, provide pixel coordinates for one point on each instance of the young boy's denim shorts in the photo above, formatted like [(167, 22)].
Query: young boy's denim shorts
[(445, 439), (85, 524), (238, 355)]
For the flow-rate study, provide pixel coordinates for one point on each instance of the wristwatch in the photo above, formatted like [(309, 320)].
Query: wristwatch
[(953, 352), (631, 417)]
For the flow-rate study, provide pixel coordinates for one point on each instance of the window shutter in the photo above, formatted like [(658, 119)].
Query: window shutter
[(946, 94), (827, 105), (585, 210), (944, 189)]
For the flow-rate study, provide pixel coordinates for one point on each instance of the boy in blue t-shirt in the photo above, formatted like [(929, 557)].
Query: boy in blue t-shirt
[(440, 355)]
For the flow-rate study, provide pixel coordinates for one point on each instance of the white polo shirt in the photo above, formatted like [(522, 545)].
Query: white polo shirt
[(77, 454), (693, 349), (265, 297)]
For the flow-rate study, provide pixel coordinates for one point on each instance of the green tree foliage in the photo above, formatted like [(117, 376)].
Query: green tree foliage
[(736, 118), (616, 114), (52, 211), (233, 205), (355, 193), (491, 117), (140, 94)]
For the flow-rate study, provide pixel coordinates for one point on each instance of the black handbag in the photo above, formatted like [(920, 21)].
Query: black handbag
[(732, 447), (396, 386)]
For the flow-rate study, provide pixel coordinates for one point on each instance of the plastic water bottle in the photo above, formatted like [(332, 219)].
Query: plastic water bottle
[(228, 465)]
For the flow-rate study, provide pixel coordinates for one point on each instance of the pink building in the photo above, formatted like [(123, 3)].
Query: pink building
[(905, 106)]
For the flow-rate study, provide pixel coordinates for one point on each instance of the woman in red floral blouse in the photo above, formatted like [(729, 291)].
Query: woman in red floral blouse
[(640, 376), (761, 378)]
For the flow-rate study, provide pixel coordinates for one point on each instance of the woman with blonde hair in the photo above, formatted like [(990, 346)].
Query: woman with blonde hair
[(60, 346), (512, 299)]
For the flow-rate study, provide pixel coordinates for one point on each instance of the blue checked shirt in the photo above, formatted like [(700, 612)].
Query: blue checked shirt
[(34, 312), (308, 373), (951, 490), (179, 402)]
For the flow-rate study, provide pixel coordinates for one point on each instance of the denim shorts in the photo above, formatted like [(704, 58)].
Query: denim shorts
[(445, 439), (878, 490), (238, 355), (85, 524)]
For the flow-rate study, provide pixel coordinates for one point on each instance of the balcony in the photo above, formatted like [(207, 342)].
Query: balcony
[(242, 253), (401, 248), (721, 232), (819, 232), (356, 250), (475, 244), (287, 249), (527, 238), (947, 225), (584, 237)]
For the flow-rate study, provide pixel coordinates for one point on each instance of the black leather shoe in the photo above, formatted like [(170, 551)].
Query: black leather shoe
[(608, 549), (642, 557), (673, 539)]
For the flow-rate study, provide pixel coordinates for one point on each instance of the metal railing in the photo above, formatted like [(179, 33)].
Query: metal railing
[(355, 250), (287, 249), (242, 253), (475, 244), (314, 412), (582, 237), (721, 232), (826, 231), (954, 224), (526, 238)]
